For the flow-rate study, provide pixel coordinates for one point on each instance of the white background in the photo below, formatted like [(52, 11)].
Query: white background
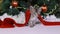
[(38, 29)]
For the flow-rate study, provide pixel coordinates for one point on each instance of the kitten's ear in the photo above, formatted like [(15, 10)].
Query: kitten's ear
[(32, 8)]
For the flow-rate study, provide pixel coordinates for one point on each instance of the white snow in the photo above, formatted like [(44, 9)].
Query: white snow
[(52, 18), (18, 19)]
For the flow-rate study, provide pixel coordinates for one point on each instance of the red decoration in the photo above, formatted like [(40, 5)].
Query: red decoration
[(14, 3), (47, 23), (7, 23), (1, 22), (44, 8)]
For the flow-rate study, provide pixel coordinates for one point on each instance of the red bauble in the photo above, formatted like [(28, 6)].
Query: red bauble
[(14, 3), (44, 8)]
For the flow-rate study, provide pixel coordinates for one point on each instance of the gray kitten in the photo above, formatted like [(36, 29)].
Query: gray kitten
[(34, 16)]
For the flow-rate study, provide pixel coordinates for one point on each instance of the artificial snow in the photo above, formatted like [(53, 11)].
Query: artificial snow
[(52, 18), (20, 18)]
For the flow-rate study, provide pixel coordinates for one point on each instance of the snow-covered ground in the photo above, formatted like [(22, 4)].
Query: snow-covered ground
[(52, 18), (38, 29)]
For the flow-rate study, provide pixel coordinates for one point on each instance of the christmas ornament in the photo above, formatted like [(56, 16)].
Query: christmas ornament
[(11, 16), (14, 3), (44, 8)]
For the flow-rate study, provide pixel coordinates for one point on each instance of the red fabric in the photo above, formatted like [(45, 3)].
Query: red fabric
[(7, 23), (48, 23), (1, 22)]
